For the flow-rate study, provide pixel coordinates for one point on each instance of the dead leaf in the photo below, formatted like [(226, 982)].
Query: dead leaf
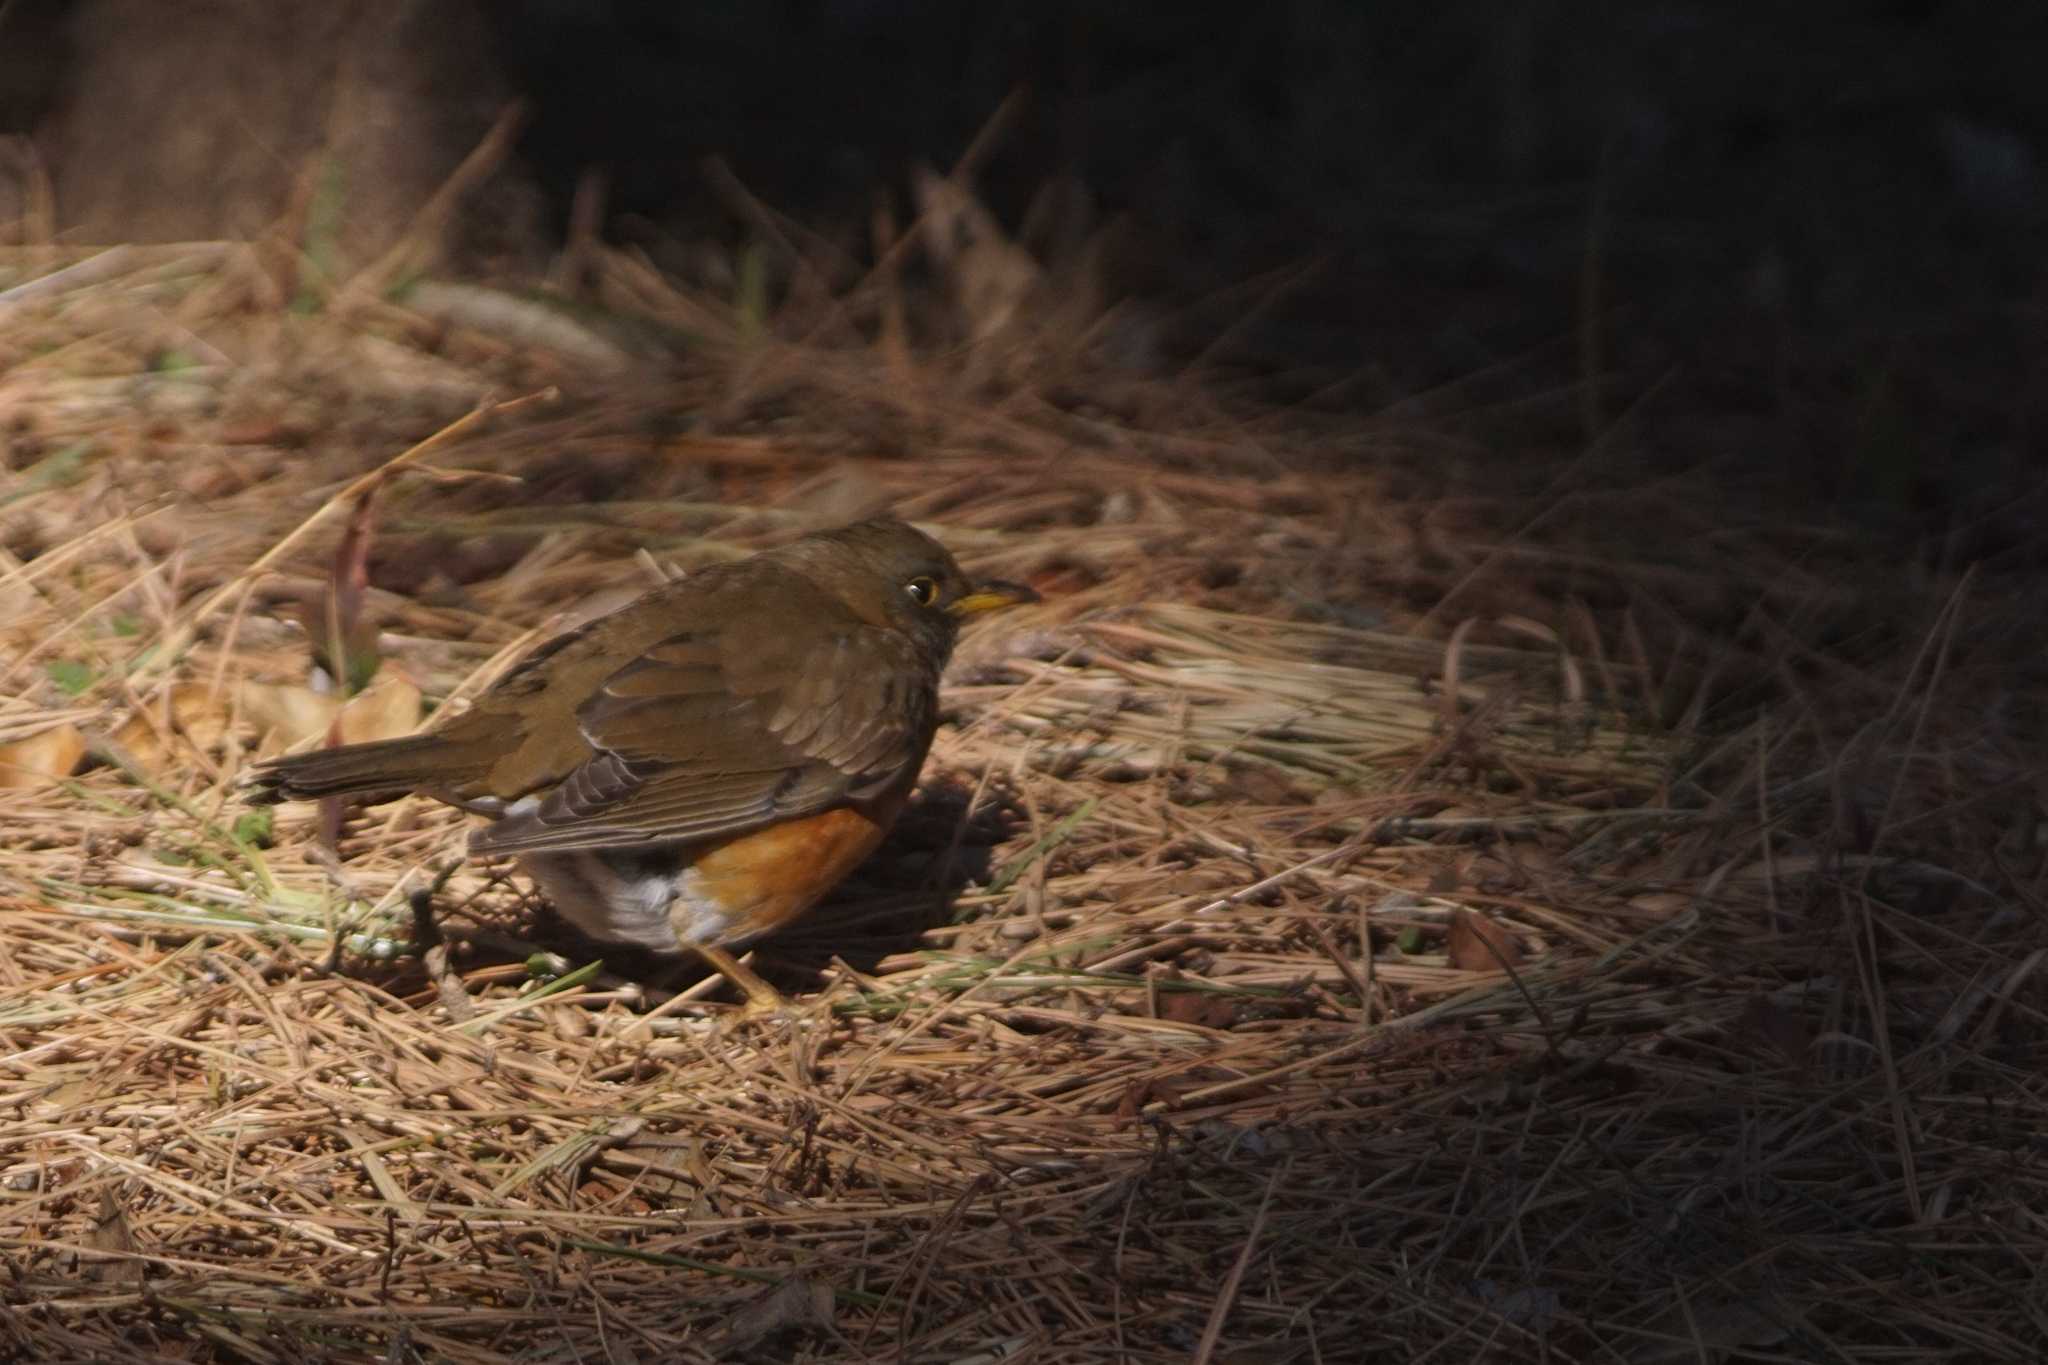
[(387, 708), (1198, 1008), (285, 714), (41, 760), (1262, 786), (111, 1233), (1660, 905), (1478, 944), (800, 1303), (1163, 1090), (190, 713)]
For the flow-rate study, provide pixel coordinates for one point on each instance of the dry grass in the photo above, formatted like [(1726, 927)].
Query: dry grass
[(1161, 1029)]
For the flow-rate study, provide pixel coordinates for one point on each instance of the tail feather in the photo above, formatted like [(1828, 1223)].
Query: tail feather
[(379, 771)]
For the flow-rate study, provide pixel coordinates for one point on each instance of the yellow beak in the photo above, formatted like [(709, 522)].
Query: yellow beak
[(990, 596)]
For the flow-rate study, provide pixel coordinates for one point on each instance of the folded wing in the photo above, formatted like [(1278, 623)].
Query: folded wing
[(712, 734)]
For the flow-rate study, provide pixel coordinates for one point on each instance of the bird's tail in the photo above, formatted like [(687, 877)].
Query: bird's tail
[(376, 772)]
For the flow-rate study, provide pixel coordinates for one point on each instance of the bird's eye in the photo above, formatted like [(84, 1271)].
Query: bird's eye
[(923, 591)]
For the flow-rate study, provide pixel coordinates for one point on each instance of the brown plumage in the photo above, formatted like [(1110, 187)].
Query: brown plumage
[(703, 764)]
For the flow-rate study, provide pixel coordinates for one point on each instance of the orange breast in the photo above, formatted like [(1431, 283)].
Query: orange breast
[(765, 879)]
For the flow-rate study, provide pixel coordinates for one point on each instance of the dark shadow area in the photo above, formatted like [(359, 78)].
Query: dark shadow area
[(1792, 251)]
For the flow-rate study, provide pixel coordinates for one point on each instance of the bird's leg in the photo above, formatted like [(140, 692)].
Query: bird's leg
[(762, 998)]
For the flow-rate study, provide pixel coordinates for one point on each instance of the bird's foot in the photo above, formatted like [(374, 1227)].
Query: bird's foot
[(762, 999)]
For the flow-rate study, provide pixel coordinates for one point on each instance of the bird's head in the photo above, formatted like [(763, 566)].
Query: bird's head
[(890, 573)]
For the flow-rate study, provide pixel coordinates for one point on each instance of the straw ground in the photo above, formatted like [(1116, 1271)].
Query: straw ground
[(1362, 914)]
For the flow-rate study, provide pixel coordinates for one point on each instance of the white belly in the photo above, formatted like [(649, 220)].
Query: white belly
[(632, 896)]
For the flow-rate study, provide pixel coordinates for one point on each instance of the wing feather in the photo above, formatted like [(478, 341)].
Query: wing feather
[(712, 734)]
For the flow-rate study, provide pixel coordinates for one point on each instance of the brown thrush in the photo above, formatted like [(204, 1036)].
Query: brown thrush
[(701, 766)]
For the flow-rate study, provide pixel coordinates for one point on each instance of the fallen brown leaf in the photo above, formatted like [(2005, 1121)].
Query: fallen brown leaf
[(1203, 1011), (799, 1302), (41, 760), (285, 714), (190, 713), (387, 708), (1478, 944)]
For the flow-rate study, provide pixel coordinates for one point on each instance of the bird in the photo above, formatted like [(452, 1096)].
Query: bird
[(698, 768)]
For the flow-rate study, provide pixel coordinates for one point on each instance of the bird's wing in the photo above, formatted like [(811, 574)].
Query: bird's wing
[(715, 733)]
